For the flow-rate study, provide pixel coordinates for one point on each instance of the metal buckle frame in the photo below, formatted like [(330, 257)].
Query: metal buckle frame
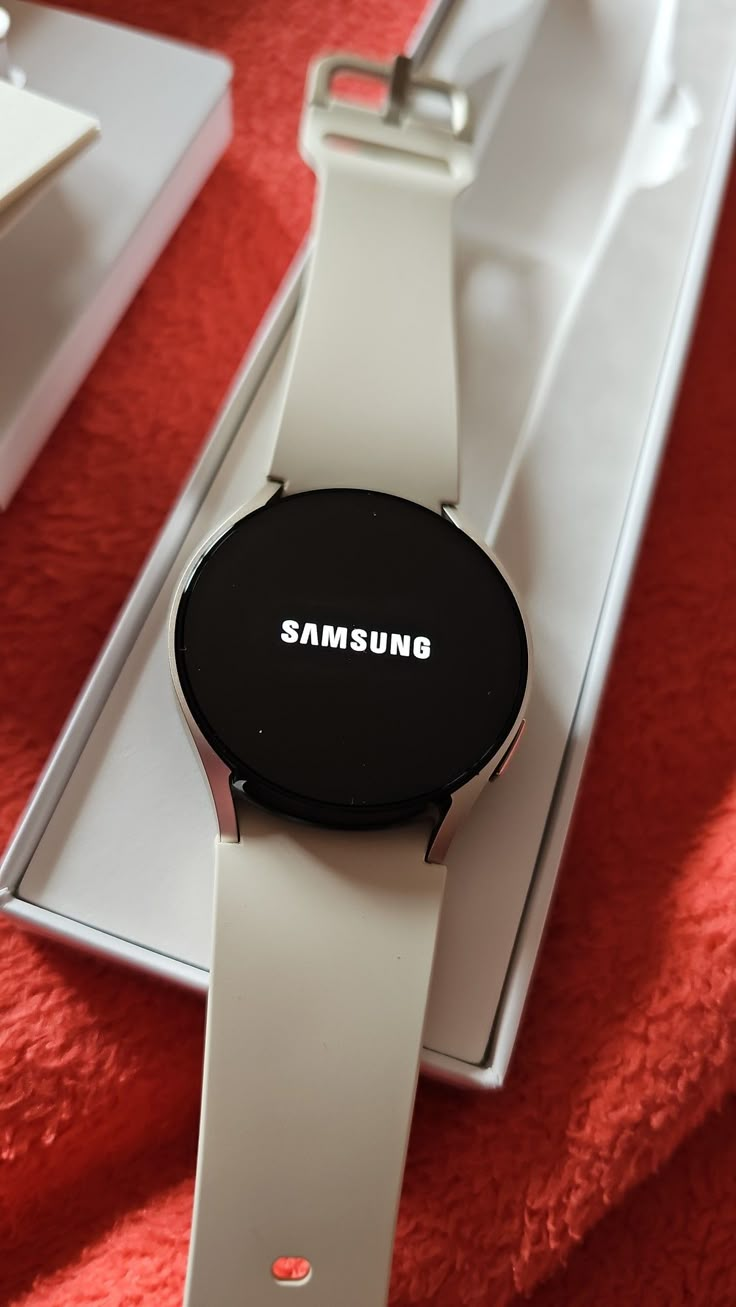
[(398, 77)]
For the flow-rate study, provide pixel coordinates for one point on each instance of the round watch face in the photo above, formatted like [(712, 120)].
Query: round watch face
[(350, 655)]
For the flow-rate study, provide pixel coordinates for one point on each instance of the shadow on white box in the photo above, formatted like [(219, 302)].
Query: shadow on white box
[(568, 374)]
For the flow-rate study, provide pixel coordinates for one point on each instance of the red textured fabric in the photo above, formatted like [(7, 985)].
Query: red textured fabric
[(630, 1036)]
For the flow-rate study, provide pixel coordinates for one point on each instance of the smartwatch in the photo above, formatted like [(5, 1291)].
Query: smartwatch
[(353, 667)]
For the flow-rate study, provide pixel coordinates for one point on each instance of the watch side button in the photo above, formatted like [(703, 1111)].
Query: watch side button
[(501, 768)]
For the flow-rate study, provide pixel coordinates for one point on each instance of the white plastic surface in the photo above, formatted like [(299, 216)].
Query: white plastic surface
[(322, 956), (71, 264), (37, 137), (572, 493)]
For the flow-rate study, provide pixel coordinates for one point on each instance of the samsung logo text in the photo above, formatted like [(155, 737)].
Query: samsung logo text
[(357, 640)]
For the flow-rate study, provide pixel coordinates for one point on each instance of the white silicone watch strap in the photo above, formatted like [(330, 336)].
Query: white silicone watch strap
[(371, 397), (324, 940), (323, 948)]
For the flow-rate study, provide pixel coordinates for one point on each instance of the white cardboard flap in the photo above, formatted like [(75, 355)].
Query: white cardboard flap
[(37, 137)]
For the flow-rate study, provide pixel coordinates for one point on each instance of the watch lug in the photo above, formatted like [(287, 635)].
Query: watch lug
[(216, 771), (218, 777), (462, 801), (456, 812)]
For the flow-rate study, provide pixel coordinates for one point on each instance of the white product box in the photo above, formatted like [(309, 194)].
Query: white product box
[(568, 374), (73, 261)]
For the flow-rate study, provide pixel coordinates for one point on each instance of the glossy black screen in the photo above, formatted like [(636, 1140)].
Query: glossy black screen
[(350, 655)]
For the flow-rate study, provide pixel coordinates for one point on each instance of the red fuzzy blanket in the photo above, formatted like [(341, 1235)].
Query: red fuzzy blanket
[(629, 1042)]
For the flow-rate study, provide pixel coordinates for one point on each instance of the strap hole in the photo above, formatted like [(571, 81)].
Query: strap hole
[(359, 89), (291, 1270)]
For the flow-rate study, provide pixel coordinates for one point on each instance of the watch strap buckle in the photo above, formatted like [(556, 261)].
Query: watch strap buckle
[(421, 116)]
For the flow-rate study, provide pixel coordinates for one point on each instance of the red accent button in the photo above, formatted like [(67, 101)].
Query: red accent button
[(501, 768)]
